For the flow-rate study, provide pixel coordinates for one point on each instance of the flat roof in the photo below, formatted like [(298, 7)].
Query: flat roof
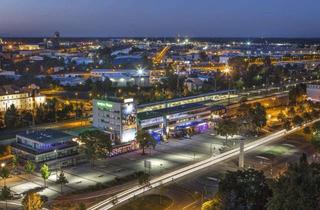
[(186, 98), (171, 110), (46, 136), (34, 151)]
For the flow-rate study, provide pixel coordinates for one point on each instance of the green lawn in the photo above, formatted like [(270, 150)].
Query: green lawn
[(276, 150), (148, 202)]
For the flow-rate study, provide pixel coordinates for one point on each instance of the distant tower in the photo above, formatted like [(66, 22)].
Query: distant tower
[(56, 35), (56, 40)]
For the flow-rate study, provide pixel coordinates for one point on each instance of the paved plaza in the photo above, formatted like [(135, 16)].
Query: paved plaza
[(165, 157)]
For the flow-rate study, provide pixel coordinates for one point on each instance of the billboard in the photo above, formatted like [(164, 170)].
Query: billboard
[(129, 120)]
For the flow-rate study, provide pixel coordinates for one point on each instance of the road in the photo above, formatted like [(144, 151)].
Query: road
[(179, 173), (190, 192)]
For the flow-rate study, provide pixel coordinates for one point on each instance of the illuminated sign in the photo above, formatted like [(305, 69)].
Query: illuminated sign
[(104, 104)]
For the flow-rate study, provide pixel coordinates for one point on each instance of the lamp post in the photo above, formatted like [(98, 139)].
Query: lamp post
[(4, 178), (161, 185), (76, 94), (140, 73), (227, 71)]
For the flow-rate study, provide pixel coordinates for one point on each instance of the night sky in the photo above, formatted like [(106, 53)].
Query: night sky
[(193, 18)]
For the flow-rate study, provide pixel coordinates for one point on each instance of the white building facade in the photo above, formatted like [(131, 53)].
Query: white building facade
[(21, 101), (116, 117)]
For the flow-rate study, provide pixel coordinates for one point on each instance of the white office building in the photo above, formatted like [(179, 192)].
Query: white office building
[(117, 117)]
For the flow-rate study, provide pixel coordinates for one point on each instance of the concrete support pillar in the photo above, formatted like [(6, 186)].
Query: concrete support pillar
[(241, 155)]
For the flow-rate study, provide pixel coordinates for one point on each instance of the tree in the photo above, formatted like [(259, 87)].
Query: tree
[(15, 162), (4, 173), (243, 115), (307, 130), (144, 178), (45, 173), (29, 167), (315, 140), (281, 117), (96, 144), (315, 113), (51, 109), (11, 117), (244, 190), (145, 140), (32, 201), (297, 188), (105, 145), (26, 117), (226, 128), (296, 94), (239, 65), (292, 112), (6, 194), (82, 206), (316, 128), (89, 150), (297, 120), (307, 116), (243, 111), (258, 116), (65, 111), (40, 116), (62, 180), (287, 125), (253, 117), (267, 65)]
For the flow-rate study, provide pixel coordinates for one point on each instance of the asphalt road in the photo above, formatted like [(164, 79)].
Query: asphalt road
[(190, 192)]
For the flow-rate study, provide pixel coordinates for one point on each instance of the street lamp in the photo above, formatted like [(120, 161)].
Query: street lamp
[(227, 71), (140, 73), (3, 165)]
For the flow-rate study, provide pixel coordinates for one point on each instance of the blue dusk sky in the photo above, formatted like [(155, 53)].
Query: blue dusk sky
[(156, 18)]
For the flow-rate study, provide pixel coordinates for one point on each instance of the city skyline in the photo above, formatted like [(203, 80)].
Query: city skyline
[(159, 105), (129, 18)]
